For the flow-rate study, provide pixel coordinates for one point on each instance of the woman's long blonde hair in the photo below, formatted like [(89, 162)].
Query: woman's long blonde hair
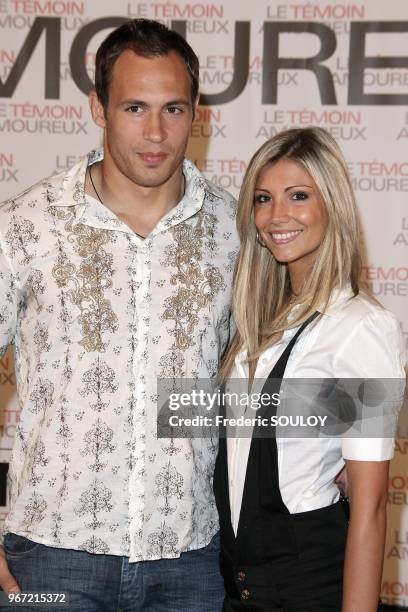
[(261, 293)]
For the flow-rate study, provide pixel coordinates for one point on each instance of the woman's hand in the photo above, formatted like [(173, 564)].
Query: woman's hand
[(367, 489), (341, 481)]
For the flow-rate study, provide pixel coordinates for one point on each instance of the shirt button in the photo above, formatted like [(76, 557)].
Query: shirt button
[(241, 576), (245, 594), (308, 494)]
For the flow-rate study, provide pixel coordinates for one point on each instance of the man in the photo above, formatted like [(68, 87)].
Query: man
[(113, 276)]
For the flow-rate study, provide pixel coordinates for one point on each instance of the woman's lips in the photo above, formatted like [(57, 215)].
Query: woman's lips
[(284, 237)]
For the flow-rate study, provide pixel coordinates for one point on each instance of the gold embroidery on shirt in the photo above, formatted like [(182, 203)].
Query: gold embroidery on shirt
[(196, 287), (88, 282)]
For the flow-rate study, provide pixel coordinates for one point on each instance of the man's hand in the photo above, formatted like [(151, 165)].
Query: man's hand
[(7, 581)]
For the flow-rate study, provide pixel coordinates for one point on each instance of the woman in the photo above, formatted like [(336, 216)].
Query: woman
[(300, 313)]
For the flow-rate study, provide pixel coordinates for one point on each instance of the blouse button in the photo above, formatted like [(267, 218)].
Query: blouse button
[(241, 576), (245, 594)]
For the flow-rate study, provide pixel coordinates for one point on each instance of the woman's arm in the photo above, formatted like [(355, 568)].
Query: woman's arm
[(368, 484)]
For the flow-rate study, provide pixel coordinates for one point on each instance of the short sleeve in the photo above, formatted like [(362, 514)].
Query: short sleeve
[(8, 301), (374, 350)]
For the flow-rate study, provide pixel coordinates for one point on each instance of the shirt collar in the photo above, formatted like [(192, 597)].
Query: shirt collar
[(71, 192), (191, 202), (335, 307), (338, 300)]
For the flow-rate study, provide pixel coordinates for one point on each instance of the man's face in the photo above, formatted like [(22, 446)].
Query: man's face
[(148, 119)]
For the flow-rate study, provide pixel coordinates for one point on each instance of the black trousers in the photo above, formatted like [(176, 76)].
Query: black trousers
[(307, 586), (300, 585)]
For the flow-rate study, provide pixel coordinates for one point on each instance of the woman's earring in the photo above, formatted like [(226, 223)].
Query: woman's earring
[(260, 241)]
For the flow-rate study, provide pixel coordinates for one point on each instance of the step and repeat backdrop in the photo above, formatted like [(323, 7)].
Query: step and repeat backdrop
[(265, 66)]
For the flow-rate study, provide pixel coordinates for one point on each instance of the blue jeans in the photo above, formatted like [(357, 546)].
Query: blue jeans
[(109, 583)]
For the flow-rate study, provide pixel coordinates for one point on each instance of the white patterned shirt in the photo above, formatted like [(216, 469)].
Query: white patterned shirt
[(96, 316)]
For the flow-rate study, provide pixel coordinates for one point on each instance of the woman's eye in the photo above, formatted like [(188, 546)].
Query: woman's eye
[(261, 199), (299, 195)]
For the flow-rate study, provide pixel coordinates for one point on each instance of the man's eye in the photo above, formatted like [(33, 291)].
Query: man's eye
[(299, 195), (134, 108), (174, 110)]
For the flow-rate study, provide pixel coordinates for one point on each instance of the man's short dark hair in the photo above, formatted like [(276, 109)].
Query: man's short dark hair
[(146, 38)]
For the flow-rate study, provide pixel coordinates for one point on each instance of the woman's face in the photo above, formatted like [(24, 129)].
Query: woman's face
[(290, 216)]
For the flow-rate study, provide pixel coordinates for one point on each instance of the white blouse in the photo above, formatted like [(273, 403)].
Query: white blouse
[(355, 338)]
